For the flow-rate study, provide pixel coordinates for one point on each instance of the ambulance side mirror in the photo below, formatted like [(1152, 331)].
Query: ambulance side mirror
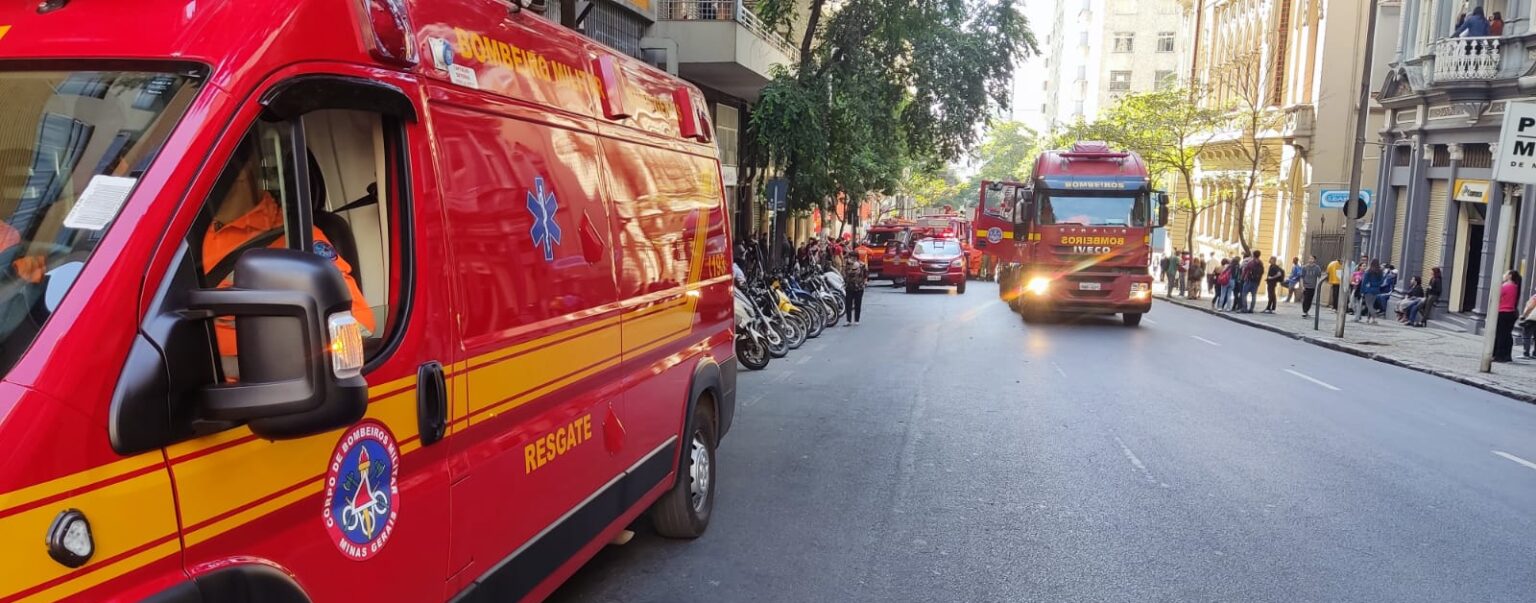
[(300, 352)]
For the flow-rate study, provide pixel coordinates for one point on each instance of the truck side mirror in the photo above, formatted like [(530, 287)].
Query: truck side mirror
[(300, 350), (1162, 207)]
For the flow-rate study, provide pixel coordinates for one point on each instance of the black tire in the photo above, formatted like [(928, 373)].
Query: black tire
[(960, 289), (794, 330), (911, 288), (1131, 319), (752, 353), (778, 347), (684, 511)]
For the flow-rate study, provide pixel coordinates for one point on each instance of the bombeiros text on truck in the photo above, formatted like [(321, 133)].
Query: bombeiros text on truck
[(324, 300), (1077, 237)]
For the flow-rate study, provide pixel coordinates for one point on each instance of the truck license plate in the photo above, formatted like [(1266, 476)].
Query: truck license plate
[(933, 278), (1088, 286)]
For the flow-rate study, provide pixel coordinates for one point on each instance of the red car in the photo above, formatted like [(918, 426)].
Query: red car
[(936, 262)]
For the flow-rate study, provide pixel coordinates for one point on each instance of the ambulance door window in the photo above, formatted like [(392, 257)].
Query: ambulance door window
[(313, 183)]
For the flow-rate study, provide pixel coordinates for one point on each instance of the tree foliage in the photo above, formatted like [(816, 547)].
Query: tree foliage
[(1170, 129), (882, 88)]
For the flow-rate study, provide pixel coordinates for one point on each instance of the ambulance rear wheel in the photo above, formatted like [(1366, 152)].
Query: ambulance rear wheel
[(683, 512)]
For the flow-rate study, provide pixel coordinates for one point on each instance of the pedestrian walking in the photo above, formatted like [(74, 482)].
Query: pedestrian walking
[(1272, 279), (1311, 275), (855, 277), (1431, 297), (1335, 272), (1504, 329)]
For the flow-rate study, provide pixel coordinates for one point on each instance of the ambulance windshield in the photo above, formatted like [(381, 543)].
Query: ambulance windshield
[(72, 146)]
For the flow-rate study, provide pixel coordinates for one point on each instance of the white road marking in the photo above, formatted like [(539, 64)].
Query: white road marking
[(1135, 461), (1312, 380), (1515, 459), (1058, 368), (754, 400), (1199, 338)]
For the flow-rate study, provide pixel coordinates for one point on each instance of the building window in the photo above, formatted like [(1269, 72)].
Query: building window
[(727, 122), (1082, 73), (1082, 38), (1119, 80), (1124, 41), (1165, 41), (1164, 79)]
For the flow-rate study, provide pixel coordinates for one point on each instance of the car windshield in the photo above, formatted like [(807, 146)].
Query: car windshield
[(882, 237), (1094, 210), (72, 146), (937, 248)]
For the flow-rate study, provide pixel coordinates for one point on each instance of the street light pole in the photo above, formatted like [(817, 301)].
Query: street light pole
[(1362, 114)]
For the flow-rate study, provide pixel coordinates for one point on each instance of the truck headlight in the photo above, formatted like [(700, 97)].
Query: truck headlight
[(1038, 285)]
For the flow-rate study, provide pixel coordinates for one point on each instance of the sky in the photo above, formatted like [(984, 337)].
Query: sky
[(1028, 94)]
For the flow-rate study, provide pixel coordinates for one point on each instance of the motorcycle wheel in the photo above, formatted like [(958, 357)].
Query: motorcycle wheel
[(833, 315), (814, 323), (794, 332), (778, 347), (752, 353)]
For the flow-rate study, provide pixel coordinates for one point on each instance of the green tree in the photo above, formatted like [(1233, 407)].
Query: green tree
[(882, 89), (1008, 151), (1170, 129)]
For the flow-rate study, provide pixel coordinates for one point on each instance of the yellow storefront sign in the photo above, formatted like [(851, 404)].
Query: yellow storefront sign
[(1471, 191)]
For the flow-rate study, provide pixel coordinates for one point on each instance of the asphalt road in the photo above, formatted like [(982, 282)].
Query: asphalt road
[(945, 450)]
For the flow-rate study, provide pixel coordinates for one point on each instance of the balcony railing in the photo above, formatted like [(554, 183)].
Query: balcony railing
[(725, 10), (1463, 59)]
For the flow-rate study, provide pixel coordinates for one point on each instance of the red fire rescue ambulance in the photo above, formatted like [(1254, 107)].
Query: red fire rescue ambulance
[(1082, 235), (883, 237), (378, 300)]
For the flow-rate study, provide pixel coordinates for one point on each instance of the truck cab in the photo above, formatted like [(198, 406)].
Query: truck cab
[(1085, 225)]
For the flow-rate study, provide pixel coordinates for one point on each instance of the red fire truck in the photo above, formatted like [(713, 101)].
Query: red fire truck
[(993, 226), (1082, 234), (347, 300), (884, 236)]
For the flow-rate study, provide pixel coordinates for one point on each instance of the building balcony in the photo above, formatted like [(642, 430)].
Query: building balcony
[(722, 44), (1467, 59), (1297, 129)]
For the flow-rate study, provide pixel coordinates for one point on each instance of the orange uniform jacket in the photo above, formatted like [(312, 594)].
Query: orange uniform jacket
[(220, 240)]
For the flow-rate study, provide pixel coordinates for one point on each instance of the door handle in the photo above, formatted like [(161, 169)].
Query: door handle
[(431, 402)]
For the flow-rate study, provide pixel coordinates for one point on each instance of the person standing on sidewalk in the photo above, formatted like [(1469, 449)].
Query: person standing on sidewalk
[(1431, 297), (1311, 275), (1183, 274), (1504, 329), (1370, 286), (1271, 280), (1253, 273), (1293, 280), (1221, 278), (1196, 276), (1528, 327), (855, 277), (1335, 270)]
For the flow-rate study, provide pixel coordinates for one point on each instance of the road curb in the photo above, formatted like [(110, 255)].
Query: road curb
[(1522, 396)]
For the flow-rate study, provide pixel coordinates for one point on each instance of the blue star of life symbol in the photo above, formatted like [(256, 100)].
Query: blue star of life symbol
[(545, 231)]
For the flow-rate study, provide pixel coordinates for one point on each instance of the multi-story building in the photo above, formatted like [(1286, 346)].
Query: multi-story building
[(719, 45), (1100, 50), (1446, 98), (1262, 177)]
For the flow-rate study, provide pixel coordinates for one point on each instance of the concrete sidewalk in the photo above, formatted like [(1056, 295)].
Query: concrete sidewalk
[(1444, 354)]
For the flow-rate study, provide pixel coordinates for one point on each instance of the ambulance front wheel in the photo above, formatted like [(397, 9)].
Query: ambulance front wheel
[(683, 512)]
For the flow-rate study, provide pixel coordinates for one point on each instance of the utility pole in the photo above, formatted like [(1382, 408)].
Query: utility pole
[(1362, 114)]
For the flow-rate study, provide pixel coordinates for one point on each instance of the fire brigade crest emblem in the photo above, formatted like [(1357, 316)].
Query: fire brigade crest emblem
[(362, 490)]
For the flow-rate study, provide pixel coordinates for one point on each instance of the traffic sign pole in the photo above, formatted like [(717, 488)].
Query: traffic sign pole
[(1361, 112)]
